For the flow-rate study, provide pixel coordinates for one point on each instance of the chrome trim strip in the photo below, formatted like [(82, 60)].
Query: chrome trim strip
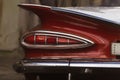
[(34, 39), (68, 41), (86, 42), (96, 64), (72, 46), (34, 5), (57, 40), (69, 76), (45, 40), (63, 66), (61, 33), (47, 64), (74, 64)]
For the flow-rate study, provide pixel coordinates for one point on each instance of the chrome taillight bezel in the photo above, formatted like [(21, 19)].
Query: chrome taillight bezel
[(86, 42)]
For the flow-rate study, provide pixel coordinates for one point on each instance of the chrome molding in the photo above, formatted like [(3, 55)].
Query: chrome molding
[(34, 39), (72, 64), (47, 64), (64, 66), (34, 5), (96, 64), (86, 42), (80, 64)]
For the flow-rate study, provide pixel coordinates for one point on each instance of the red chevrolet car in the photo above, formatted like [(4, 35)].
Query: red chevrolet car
[(69, 43)]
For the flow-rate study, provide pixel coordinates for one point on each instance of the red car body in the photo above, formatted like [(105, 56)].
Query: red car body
[(74, 41)]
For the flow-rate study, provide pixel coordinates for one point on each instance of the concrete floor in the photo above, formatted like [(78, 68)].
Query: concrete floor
[(7, 59)]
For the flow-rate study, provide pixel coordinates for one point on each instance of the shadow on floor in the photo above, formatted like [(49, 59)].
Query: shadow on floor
[(7, 59)]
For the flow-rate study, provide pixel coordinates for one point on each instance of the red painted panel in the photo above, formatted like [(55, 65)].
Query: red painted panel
[(100, 32)]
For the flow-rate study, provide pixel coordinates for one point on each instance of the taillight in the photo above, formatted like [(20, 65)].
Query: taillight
[(54, 40), (29, 39), (63, 40), (51, 40), (74, 42), (39, 39)]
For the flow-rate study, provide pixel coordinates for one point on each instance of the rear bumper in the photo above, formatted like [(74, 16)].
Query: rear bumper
[(66, 66), (42, 66)]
